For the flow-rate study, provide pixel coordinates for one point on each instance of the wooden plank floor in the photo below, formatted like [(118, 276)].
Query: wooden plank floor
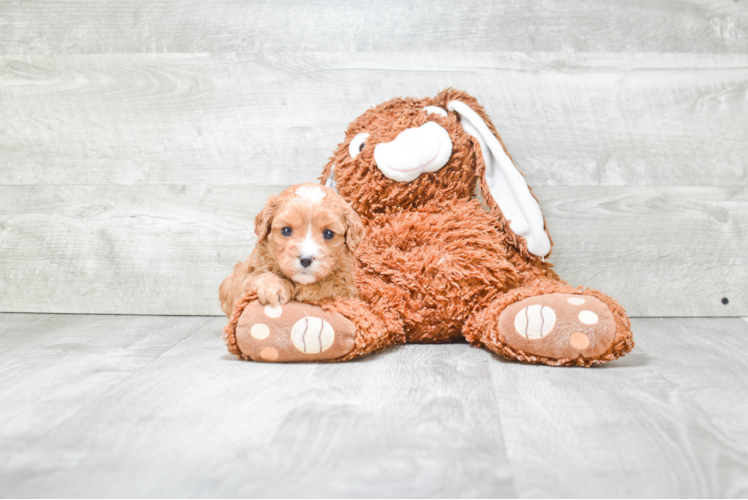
[(120, 406)]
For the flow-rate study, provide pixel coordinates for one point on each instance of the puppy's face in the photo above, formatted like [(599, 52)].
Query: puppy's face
[(310, 230)]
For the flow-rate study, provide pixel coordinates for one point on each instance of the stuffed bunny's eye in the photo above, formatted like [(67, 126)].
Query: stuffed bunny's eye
[(357, 144), (435, 110)]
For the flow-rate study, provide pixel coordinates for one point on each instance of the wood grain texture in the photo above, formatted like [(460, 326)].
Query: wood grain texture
[(635, 427), (165, 249), (658, 251), (710, 365), (123, 249), (56, 365), (138, 139), (112, 406), (127, 26), (194, 422), (568, 119)]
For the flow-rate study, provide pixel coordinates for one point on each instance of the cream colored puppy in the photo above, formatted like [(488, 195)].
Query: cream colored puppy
[(306, 237)]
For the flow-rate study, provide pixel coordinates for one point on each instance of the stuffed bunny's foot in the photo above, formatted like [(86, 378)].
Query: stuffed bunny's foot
[(560, 326), (294, 331)]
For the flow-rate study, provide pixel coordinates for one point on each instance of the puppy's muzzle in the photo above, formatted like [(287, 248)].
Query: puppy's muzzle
[(305, 261)]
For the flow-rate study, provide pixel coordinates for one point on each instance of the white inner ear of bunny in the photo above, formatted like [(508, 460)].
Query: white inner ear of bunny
[(435, 110), (414, 151), (506, 184), (354, 148)]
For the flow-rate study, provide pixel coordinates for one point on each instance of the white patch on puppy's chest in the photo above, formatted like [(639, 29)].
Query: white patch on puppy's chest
[(304, 279), (312, 194)]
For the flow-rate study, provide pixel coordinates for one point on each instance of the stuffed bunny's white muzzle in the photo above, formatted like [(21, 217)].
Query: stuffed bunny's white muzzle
[(413, 152)]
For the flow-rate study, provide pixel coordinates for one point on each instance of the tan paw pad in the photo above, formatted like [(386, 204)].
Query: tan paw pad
[(555, 326), (293, 332), (579, 340), (269, 354)]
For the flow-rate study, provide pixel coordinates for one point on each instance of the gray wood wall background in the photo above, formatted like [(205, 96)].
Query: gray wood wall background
[(138, 139)]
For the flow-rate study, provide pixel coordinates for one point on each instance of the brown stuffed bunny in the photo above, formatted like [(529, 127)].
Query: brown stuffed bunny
[(436, 264)]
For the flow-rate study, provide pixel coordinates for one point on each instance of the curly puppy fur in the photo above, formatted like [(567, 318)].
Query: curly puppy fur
[(306, 221)]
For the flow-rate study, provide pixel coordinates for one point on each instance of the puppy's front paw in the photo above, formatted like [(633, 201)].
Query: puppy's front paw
[(272, 289)]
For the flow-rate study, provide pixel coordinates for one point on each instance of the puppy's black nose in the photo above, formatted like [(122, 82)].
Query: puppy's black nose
[(305, 261)]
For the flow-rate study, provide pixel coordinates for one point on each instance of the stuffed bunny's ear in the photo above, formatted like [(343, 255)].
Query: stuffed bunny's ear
[(506, 185), (330, 181)]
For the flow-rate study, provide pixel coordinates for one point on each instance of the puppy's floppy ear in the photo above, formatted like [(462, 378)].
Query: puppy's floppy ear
[(264, 219), (354, 233), (503, 185)]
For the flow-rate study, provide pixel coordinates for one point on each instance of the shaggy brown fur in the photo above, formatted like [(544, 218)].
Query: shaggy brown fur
[(270, 269), (436, 265)]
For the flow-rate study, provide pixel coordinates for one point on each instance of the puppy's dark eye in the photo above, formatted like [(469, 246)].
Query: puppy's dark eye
[(327, 234), (286, 231)]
